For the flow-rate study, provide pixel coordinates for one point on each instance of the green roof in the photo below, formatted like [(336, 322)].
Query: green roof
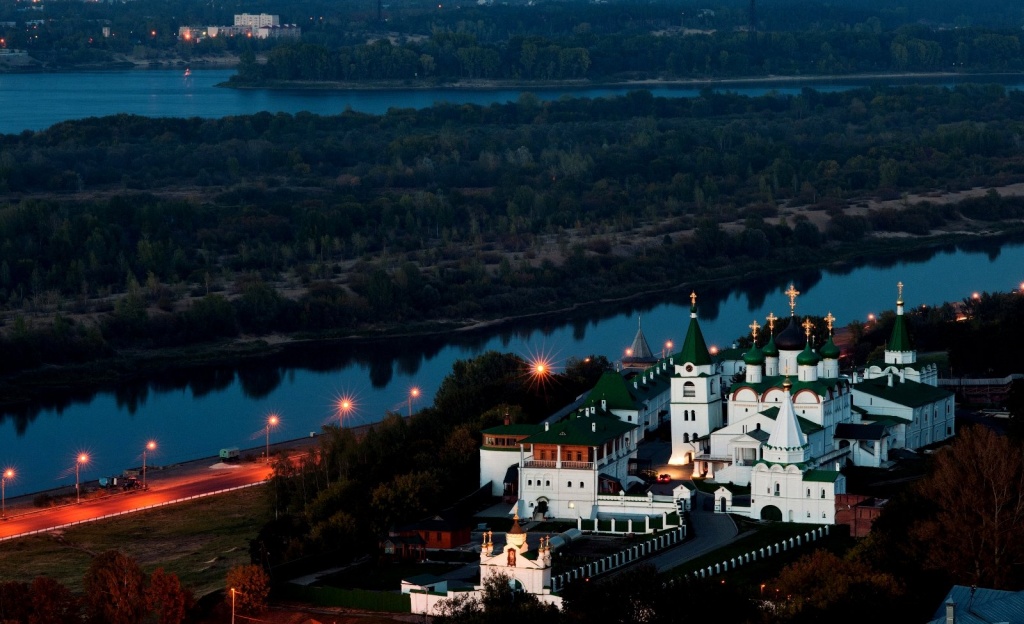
[(806, 426), (770, 350), (830, 351), (907, 393), (821, 476), (821, 387), (612, 388), (695, 349), (900, 339), (886, 420), (582, 430), (807, 357)]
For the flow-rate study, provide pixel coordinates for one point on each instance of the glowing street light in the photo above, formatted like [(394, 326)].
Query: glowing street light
[(667, 349), (344, 406), (81, 459), (8, 474), (272, 421), (233, 592), (413, 393), (150, 446)]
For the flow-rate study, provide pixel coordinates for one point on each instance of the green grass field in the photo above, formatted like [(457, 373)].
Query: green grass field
[(199, 541)]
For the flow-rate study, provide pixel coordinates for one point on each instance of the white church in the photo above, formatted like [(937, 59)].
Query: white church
[(788, 427), (785, 428)]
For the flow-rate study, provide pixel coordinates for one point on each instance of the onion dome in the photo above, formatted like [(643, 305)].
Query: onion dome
[(770, 350), (791, 338), (754, 357), (830, 351), (807, 357)]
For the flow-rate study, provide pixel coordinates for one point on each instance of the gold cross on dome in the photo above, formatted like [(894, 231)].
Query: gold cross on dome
[(792, 293), (899, 286), (829, 319), (771, 318), (808, 326), (693, 298), (753, 329)]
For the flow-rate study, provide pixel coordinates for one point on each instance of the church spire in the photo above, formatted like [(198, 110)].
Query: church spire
[(787, 444), (899, 340), (695, 349)]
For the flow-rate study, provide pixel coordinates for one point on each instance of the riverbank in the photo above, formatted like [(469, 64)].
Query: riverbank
[(647, 83), (26, 392)]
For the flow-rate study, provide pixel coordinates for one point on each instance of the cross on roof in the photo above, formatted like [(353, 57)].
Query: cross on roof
[(808, 326), (899, 286), (693, 298), (771, 318), (753, 329), (792, 293), (829, 319)]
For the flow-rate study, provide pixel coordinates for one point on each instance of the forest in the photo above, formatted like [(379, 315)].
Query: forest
[(359, 224)]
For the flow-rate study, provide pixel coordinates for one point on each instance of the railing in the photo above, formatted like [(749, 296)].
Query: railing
[(577, 465), (130, 511), (536, 463)]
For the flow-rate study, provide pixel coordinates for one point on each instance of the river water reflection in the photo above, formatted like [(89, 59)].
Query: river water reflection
[(195, 415), (37, 101)]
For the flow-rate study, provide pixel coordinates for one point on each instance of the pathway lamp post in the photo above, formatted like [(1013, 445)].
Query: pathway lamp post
[(81, 459), (150, 446), (415, 392), (8, 474), (272, 421)]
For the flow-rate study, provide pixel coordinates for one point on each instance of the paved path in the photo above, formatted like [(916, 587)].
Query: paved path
[(711, 531)]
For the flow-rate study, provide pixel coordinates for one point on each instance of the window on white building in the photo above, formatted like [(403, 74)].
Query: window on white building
[(581, 485), (568, 484), (547, 483), (823, 492), (808, 492), (689, 390), (529, 482)]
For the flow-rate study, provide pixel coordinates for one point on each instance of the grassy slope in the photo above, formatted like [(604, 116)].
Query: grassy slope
[(199, 541)]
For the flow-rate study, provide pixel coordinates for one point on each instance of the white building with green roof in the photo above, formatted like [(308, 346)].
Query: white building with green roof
[(696, 394)]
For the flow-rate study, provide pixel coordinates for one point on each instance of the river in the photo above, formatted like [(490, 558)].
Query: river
[(195, 416), (37, 101)]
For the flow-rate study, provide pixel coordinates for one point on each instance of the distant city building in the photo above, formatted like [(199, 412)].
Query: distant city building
[(262, 26), (257, 21)]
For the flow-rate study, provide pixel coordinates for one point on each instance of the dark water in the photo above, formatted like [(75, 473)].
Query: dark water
[(195, 415), (37, 101)]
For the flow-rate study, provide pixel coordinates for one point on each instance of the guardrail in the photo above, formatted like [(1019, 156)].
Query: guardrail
[(129, 511)]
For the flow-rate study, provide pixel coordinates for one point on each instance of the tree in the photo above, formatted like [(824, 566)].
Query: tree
[(251, 587), (115, 589), (824, 587), (1015, 405), (167, 598), (53, 603), (984, 502), (15, 602)]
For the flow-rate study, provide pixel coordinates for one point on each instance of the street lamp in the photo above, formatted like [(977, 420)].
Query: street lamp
[(233, 605), (150, 446), (81, 459), (271, 422), (8, 474), (668, 349), (415, 392), (344, 407)]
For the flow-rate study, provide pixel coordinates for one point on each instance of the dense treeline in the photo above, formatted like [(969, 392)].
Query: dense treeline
[(457, 212), (460, 55)]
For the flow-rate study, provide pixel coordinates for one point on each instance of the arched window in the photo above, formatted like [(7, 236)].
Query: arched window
[(689, 390), (776, 488), (694, 436), (568, 484), (581, 485), (686, 437), (808, 492), (823, 492)]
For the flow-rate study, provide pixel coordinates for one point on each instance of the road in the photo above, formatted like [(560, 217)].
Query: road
[(197, 478)]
